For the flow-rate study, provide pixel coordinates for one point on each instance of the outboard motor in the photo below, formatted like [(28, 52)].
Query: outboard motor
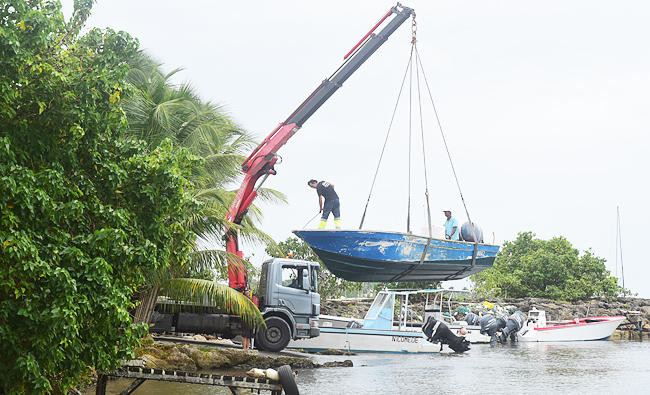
[(472, 319), (514, 323), (466, 233), (438, 332), (490, 326)]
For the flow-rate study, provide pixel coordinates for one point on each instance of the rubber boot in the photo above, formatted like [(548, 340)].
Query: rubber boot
[(322, 224), (337, 223)]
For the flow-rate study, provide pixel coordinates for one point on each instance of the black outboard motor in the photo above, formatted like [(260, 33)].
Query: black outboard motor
[(472, 319), (438, 332), (490, 326), (514, 323)]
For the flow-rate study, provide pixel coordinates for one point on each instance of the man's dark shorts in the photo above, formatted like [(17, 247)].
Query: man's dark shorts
[(331, 206)]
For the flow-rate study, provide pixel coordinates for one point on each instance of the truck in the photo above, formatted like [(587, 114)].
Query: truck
[(288, 292), (288, 300)]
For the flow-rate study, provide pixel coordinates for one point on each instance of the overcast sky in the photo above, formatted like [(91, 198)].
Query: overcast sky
[(545, 106)]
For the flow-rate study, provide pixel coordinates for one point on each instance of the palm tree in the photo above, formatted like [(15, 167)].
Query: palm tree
[(158, 110)]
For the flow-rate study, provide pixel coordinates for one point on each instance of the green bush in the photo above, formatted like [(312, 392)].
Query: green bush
[(83, 212), (530, 267)]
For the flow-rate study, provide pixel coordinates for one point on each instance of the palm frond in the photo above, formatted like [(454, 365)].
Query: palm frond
[(271, 196), (219, 261), (211, 293)]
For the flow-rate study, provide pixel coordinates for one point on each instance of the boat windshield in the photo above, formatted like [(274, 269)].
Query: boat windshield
[(380, 313)]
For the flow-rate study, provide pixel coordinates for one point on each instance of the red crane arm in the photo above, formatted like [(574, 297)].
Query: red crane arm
[(261, 161)]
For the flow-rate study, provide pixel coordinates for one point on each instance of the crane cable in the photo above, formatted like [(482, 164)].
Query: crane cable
[(409, 71), (390, 125), (451, 162), (408, 206), (424, 155)]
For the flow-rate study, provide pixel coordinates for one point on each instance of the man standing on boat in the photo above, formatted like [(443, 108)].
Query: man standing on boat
[(451, 227), (326, 191)]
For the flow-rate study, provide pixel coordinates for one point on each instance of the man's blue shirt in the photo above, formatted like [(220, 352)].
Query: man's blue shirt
[(449, 227)]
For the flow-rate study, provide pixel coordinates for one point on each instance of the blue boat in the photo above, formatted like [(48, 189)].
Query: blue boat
[(367, 256)]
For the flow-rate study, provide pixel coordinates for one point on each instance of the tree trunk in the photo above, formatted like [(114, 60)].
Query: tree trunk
[(146, 303)]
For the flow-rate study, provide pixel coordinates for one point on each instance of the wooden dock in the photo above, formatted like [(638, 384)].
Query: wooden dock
[(143, 374)]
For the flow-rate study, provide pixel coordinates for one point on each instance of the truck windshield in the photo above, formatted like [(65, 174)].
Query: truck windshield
[(295, 277)]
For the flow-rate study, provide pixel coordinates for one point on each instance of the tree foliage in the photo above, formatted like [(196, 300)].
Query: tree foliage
[(531, 267), (84, 212), (158, 110), (329, 285)]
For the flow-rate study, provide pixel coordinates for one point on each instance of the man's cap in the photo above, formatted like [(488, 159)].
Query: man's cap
[(446, 211)]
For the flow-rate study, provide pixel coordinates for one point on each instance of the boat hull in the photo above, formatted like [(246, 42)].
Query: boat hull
[(366, 341), (366, 256), (593, 328)]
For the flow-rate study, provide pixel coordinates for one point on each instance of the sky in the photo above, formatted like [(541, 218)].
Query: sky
[(544, 105)]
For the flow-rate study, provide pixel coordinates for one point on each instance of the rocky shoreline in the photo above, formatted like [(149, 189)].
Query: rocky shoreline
[(191, 357), (555, 310), (198, 354)]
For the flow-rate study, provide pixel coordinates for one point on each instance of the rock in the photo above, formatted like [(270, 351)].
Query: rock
[(151, 362), (154, 351), (238, 356), (179, 361), (331, 352), (200, 338), (187, 357), (294, 362), (147, 341), (209, 360), (338, 364)]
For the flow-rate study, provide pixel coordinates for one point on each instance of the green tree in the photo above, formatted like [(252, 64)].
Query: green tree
[(84, 212), (531, 267), (329, 285), (158, 110)]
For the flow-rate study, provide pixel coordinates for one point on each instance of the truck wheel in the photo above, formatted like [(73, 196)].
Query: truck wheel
[(287, 380), (276, 336)]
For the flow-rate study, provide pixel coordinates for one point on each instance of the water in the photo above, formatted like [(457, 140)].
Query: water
[(583, 367)]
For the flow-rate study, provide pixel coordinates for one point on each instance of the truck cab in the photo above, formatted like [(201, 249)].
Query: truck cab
[(289, 302)]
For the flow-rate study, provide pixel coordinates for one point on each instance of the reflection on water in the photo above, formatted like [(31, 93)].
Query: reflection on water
[(583, 367)]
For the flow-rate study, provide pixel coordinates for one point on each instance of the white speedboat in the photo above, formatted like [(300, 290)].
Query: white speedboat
[(537, 329), (388, 326)]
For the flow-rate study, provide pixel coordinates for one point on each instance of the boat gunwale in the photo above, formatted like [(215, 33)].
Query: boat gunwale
[(414, 262), (602, 320), (391, 232)]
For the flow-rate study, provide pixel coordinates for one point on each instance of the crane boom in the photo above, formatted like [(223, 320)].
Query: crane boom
[(261, 161)]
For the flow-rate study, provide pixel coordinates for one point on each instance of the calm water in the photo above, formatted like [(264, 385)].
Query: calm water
[(613, 367)]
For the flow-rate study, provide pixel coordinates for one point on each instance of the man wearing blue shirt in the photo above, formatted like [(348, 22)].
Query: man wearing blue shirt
[(451, 227)]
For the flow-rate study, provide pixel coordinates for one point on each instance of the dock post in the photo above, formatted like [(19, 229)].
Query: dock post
[(101, 385)]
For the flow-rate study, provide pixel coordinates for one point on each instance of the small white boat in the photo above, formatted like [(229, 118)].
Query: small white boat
[(537, 329), (379, 331)]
